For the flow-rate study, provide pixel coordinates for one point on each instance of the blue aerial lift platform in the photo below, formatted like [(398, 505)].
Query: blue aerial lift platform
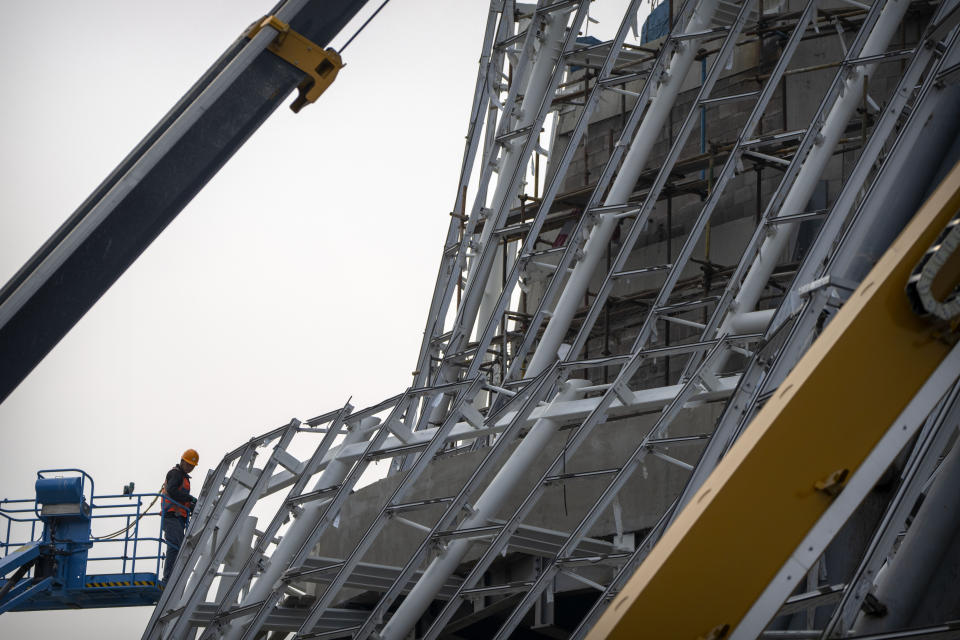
[(48, 550), (47, 543)]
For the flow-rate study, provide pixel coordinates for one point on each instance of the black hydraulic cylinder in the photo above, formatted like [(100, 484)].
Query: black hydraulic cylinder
[(103, 237)]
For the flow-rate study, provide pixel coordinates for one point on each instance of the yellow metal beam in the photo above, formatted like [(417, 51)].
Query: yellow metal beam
[(781, 475)]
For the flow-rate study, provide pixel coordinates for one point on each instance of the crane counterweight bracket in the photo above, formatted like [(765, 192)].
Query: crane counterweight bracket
[(321, 65)]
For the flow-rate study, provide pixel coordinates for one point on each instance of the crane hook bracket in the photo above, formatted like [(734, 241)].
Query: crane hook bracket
[(321, 65)]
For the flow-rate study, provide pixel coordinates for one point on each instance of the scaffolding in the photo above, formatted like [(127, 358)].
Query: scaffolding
[(536, 269)]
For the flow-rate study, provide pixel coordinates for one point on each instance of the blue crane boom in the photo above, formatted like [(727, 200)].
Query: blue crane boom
[(119, 220)]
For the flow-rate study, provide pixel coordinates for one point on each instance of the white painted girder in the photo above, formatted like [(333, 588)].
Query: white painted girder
[(564, 413)]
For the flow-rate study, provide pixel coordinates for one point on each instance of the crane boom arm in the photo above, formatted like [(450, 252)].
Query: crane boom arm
[(147, 190)]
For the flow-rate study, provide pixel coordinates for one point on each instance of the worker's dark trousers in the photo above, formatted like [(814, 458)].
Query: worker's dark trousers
[(173, 529)]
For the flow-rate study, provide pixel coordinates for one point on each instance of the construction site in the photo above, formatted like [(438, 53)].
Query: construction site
[(688, 368)]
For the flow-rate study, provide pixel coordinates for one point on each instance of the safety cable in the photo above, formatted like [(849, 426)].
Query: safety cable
[(363, 26), (110, 536)]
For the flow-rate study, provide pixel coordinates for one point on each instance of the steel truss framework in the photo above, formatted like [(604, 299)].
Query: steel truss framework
[(502, 383)]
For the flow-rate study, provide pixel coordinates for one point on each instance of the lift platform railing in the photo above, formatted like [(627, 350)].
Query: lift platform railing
[(124, 548)]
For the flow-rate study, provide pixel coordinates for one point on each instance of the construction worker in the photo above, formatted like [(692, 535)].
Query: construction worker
[(175, 514)]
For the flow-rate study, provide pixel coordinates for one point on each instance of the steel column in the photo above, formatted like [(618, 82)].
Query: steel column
[(635, 162)]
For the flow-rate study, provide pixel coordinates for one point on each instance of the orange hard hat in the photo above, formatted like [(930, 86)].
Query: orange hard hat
[(191, 456)]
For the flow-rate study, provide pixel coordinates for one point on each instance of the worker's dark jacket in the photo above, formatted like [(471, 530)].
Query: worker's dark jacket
[(177, 487)]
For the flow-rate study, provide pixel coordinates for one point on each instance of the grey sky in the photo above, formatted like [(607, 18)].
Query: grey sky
[(300, 276)]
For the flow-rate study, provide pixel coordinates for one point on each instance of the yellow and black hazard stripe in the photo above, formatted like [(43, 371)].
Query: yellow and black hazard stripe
[(122, 583)]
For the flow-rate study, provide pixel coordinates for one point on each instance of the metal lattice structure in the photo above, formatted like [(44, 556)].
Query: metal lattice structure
[(508, 412)]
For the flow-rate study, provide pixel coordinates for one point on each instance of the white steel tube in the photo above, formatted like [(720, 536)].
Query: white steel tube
[(816, 161), (491, 293), (907, 579), (751, 321), (297, 534), (636, 160), (545, 59), (238, 552), (477, 309), (486, 507)]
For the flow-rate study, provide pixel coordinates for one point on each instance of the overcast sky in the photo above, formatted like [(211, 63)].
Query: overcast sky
[(300, 276)]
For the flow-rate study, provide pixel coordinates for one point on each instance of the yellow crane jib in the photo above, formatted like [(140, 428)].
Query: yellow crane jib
[(803, 448), (321, 65)]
